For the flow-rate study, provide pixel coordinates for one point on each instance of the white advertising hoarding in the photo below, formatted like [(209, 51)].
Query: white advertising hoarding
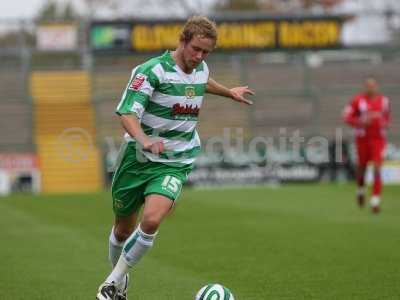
[(57, 37)]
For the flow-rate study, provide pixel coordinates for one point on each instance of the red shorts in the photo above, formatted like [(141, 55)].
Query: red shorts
[(370, 150)]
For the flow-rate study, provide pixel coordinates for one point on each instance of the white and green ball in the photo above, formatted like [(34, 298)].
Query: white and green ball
[(214, 291)]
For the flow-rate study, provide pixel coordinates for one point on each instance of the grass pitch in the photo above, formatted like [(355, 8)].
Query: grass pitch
[(293, 242)]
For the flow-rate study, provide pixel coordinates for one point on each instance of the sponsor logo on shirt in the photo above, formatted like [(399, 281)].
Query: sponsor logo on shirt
[(137, 82), (179, 109)]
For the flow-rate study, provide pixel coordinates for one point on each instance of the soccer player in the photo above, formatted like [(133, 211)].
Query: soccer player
[(369, 114), (159, 111)]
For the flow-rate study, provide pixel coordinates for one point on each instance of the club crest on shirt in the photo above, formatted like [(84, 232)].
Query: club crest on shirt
[(137, 82), (190, 92)]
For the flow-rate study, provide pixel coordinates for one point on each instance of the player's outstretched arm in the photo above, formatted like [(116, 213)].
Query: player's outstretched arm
[(132, 126), (236, 93), (386, 115)]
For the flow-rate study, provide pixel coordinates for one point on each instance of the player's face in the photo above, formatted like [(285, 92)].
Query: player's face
[(371, 86), (195, 51)]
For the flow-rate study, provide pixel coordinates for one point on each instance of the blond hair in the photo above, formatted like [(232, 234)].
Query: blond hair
[(198, 26)]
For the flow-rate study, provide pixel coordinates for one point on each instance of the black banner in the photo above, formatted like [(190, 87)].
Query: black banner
[(241, 34), (226, 176)]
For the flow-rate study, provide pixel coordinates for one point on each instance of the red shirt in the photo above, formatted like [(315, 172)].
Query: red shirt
[(363, 107)]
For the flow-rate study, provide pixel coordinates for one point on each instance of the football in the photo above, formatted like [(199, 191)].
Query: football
[(214, 291)]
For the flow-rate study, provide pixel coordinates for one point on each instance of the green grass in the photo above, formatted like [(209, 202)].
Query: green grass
[(293, 242)]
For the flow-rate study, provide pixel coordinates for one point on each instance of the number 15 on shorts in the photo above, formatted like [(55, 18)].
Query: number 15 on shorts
[(171, 184)]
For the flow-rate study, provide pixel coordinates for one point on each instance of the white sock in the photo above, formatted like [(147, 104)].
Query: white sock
[(118, 273), (134, 249), (375, 201), (114, 248), (137, 245)]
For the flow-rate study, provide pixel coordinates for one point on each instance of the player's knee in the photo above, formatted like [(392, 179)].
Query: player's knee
[(150, 223), (362, 168), (121, 233), (377, 172)]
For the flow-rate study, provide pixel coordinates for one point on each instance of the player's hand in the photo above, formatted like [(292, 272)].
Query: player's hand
[(155, 147), (370, 117), (365, 121), (374, 115), (238, 93)]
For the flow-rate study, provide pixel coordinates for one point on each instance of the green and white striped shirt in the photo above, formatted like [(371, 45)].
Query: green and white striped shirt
[(167, 102)]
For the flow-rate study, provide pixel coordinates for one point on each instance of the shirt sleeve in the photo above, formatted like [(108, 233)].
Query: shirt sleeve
[(138, 92), (206, 70), (351, 115)]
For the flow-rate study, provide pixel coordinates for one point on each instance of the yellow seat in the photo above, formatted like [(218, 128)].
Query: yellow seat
[(65, 133)]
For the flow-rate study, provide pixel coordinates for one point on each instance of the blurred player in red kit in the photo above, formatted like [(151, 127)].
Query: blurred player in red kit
[(369, 114)]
